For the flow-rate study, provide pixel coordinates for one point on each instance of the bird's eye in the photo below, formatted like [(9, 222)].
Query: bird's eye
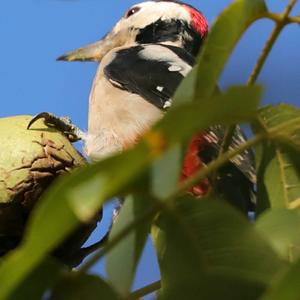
[(132, 11)]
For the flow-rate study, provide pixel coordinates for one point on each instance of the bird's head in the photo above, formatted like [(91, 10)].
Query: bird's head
[(150, 22)]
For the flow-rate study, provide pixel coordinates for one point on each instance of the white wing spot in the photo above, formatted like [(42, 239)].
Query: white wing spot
[(160, 88), (115, 83), (211, 138), (175, 68), (168, 104)]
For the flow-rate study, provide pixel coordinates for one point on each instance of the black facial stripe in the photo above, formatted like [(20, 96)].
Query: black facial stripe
[(159, 31), (170, 30)]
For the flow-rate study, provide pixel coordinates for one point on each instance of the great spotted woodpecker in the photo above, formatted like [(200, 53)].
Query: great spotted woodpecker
[(143, 60)]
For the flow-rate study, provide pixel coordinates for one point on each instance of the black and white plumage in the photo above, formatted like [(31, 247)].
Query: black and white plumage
[(143, 60), (152, 71)]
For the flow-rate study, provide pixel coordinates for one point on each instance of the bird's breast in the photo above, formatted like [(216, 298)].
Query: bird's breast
[(117, 118)]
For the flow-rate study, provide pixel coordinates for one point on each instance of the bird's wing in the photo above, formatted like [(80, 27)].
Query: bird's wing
[(244, 161), (152, 71)]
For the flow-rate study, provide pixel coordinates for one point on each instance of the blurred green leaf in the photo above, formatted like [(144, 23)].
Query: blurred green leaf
[(76, 286), (226, 109), (122, 261), (286, 286), (207, 250), (278, 160), (75, 198), (221, 40), (39, 281), (282, 228), (271, 116), (166, 172)]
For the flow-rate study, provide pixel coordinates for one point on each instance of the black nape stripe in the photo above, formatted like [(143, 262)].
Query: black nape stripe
[(171, 30)]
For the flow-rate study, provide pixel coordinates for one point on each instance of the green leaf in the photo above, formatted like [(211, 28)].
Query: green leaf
[(278, 161), (39, 281), (207, 250), (270, 117), (282, 228), (222, 38), (78, 286), (76, 198), (219, 44), (235, 105), (166, 172), (122, 261), (286, 286)]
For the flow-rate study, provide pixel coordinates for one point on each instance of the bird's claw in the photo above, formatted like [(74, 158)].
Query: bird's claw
[(63, 124)]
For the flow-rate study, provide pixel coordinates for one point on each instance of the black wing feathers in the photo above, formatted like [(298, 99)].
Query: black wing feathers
[(149, 78)]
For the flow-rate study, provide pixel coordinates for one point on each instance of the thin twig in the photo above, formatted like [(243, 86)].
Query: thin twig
[(144, 291), (294, 20), (280, 23), (277, 18)]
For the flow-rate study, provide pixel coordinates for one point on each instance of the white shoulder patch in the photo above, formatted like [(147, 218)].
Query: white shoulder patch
[(163, 54)]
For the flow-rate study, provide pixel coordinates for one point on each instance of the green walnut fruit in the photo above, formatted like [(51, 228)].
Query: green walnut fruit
[(29, 162)]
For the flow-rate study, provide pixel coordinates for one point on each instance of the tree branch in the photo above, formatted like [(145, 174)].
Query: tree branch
[(277, 18), (281, 21), (144, 291)]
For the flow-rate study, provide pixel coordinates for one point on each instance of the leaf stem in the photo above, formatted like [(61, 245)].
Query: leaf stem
[(145, 290), (281, 21), (216, 164)]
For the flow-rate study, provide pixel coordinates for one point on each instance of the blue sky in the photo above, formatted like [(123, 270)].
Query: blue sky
[(35, 32)]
